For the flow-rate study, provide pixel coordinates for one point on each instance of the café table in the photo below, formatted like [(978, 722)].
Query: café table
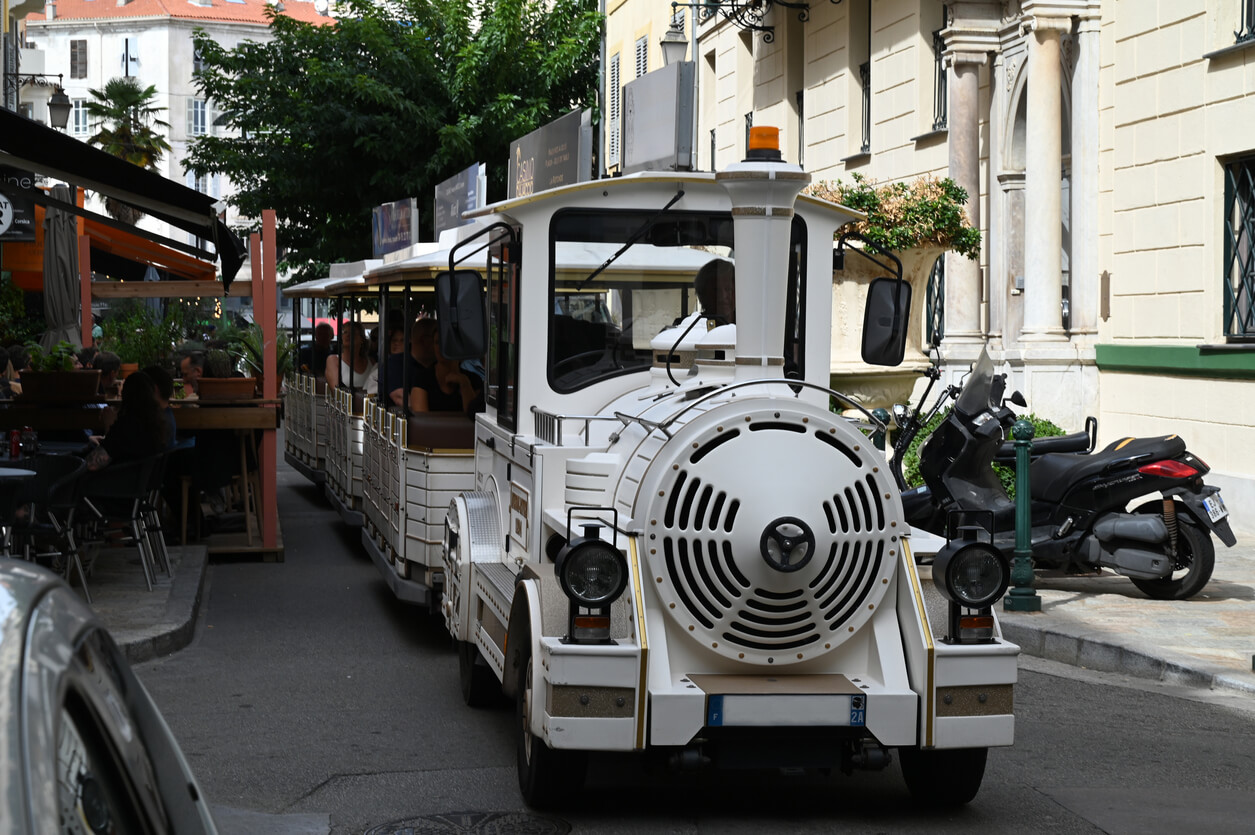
[(13, 480)]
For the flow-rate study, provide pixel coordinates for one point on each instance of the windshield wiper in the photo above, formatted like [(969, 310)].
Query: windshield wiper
[(633, 238)]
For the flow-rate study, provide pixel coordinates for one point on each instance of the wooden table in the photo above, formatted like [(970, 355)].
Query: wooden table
[(243, 416)]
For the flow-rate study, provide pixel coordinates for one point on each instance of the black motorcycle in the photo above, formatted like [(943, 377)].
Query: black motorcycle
[(1080, 499)]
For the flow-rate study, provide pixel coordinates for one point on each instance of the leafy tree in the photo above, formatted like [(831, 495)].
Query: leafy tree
[(331, 121), (128, 130)]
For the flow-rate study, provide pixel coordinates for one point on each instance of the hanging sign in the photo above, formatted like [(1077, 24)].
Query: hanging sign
[(17, 205)]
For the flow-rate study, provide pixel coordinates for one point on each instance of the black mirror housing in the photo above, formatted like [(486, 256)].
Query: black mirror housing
[(462, 315), (885, 318)]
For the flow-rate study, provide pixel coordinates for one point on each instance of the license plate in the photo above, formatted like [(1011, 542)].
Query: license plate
[(1214, 505)]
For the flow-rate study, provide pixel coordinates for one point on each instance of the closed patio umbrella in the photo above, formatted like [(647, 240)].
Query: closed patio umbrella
[(61, 290)]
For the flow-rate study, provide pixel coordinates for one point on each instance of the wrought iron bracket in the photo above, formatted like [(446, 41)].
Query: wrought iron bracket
[(748, 14)]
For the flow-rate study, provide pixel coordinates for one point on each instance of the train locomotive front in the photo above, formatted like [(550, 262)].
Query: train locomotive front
[(697, 556)]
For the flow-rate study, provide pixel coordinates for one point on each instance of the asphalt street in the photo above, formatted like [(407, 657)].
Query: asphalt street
[(309, 701)]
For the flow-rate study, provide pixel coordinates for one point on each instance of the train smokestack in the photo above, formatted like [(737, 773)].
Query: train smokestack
[(763, 189)]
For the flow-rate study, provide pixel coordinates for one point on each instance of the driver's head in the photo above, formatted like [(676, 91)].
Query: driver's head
[(715, 284), (423, 341)]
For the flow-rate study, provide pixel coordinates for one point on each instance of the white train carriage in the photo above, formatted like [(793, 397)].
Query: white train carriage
[(673, 543), (305, 397), (346, 408)]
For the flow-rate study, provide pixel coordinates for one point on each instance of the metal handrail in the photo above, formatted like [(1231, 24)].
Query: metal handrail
[(548, 426)]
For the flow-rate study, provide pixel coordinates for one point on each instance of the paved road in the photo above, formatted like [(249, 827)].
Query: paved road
[(311, 702)]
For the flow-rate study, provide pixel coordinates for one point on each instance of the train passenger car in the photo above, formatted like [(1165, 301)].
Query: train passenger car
[(346, 404), (305, 396), (674, 543), (415, 463)]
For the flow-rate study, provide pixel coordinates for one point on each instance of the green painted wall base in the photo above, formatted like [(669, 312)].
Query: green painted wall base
[(1224, 362)]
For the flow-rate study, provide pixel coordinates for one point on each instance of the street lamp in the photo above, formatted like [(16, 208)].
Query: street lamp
[(674, 45), (59, 105), (59, 108)]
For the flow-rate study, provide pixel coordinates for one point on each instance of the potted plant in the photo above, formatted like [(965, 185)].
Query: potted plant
[(139, 336), (54, 378), (247, 345), (918, 220), (219, 382)]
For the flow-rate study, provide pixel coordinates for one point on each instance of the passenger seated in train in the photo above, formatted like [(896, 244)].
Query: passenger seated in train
[(354, 366), (415, 367), (455, 387), (715, 284)]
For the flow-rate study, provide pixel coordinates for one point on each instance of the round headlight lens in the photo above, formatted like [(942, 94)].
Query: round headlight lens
[(972, 574), (593, 573)]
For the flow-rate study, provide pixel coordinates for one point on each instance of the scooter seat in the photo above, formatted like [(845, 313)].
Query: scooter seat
[(1051, 475)]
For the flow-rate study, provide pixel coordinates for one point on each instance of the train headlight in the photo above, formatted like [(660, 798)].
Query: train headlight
[(971, 573), (593, 573)]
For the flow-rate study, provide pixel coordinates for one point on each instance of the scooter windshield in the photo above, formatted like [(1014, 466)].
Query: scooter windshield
[(978, 390)]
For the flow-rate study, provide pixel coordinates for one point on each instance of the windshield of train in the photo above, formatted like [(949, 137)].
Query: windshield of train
[(604, 310)]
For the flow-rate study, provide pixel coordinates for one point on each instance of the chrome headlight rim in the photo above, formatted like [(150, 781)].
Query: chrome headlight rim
[(959, 553), (574, 555)]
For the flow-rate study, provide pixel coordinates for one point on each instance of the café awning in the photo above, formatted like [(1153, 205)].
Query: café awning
[(31, 146)]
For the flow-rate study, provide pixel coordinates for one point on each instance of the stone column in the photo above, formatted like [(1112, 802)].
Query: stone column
[(963, 275), (970, 40), (1085, 261), (1043, 222)]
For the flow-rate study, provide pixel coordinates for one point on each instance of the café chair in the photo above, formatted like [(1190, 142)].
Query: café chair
[(46, 531), (118, 494)]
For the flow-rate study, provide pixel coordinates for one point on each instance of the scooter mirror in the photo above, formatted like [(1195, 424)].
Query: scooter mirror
[(1018, 399), (900, 414)]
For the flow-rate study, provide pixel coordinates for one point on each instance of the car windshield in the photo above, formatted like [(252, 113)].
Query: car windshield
[(601, 323), (978, 388)]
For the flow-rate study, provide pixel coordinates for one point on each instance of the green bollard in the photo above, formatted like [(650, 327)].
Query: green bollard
[(878, 438), (1023, 597)]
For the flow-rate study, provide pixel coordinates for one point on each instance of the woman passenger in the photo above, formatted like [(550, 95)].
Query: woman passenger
[(355, 365), (139, 431)]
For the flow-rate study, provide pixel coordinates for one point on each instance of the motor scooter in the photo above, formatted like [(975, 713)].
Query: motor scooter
[(1080, 500)]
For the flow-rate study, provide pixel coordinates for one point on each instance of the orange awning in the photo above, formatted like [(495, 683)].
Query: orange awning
[(109, 245)]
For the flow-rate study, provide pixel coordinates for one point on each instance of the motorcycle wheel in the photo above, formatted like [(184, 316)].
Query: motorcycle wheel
[(943, 778), (1196, 557)]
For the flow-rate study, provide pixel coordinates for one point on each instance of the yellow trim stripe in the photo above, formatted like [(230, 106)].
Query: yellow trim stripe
[(930, 690), (642, 687), (1123, 444)]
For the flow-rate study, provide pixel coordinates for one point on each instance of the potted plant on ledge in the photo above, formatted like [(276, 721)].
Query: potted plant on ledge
[(54, 378), (918, 220)]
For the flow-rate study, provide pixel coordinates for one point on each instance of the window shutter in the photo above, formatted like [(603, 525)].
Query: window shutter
[(642, 56), (78, 59), (614, 93)]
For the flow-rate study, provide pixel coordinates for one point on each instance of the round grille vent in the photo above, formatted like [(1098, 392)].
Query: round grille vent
[(772, 535)]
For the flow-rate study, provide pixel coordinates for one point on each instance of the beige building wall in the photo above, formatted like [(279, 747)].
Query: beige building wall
[(1178, 104)]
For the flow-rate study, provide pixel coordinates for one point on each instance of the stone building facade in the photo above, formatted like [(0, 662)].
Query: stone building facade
[(1106, 144)]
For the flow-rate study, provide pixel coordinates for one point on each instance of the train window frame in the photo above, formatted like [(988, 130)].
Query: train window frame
[(794, 348), (501, 381)]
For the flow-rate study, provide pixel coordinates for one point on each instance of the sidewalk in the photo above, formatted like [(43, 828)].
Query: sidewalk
[(1100, 623)]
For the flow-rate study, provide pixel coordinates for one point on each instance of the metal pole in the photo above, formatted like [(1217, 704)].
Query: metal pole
[(878, 437), (1023, 597)]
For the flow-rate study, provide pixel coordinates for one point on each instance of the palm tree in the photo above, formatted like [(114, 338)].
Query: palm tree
[(129, 130)]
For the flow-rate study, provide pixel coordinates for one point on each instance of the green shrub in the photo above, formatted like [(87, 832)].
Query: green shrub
[(1042, 428)]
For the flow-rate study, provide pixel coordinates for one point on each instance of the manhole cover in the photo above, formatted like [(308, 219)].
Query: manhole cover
[(475, 823)]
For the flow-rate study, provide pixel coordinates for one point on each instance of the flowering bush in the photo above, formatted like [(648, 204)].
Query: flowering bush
[(926, 211)]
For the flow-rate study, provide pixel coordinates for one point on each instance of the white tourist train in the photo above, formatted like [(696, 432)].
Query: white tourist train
[(662, 534)]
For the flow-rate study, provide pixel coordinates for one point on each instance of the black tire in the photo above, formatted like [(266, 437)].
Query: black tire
[(480, 687), (547, 776), (943, 778), (1195, 560)]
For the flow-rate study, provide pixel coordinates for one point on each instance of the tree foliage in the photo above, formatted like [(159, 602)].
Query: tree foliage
[(129, 129), (327, 122)]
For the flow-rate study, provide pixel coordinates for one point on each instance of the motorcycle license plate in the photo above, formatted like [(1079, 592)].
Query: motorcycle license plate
[(1214, 505)]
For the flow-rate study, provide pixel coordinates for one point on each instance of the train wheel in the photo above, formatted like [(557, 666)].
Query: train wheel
[(479, 686), (546, 775), (943, 778)]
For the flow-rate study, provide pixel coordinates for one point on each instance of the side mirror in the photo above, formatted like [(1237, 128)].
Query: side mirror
[(462, 315), (1018, 399), (885, 319)]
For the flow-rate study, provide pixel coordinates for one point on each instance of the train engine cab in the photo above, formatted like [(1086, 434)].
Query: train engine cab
[(675, 544)]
